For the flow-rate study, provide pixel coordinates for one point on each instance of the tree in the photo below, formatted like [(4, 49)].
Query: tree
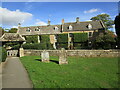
[(117, 28), (117, 25), (1, 31), (105, 41), (13, 30), (106, 20)]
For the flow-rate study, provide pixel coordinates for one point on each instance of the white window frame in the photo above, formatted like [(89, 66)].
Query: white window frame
[(89, 26), (56, 28), (70, 27)]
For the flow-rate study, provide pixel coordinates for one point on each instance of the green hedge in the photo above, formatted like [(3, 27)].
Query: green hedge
[(31, 39), (45, 38), (16, 47), (81, 45), (80, 37), (3, 54), (62, 45), (62, 38), (38, 46)]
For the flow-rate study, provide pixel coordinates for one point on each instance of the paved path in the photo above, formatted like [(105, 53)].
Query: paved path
[(14, 74)]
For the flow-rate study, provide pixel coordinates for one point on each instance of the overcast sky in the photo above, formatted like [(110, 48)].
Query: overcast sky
[(38, 13)]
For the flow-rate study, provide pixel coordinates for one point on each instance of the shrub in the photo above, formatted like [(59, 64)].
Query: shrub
[(3, 54), (62, 38), (38, 46), (16, 47), (62, 45), (32, 39), (45, 38), (80, 37), (81, 45)]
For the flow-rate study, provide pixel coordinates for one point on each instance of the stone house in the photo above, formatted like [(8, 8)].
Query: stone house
[(93, 28)]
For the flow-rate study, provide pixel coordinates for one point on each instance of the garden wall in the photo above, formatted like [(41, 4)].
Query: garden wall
[(81, 53)]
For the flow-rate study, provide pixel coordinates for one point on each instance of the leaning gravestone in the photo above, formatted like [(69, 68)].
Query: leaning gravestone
[(45, 56), (63, 57)]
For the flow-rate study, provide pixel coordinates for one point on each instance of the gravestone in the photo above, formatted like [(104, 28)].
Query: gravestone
[(63, 57), (45, 56)]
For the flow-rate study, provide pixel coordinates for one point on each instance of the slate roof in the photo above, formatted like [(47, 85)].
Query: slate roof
[(83, 26), (50, 29), (11, 37)]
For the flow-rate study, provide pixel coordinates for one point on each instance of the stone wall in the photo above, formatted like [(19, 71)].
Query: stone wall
[(81, 53)]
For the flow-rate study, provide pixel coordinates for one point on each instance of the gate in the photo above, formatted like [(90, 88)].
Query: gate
[(12, 53)]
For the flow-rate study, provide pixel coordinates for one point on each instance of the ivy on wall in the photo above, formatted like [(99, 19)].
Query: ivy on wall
[(80, 37), (45, 38), (62, 38), (32, 39)]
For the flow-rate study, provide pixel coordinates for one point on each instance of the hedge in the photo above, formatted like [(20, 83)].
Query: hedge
[(3, 54), (80, 37), (81, 45), (38, 46), (31, 39), (16, 47), (62, 45), (45, 39), (62, 38)]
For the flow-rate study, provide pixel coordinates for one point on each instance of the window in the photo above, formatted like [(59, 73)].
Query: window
[(90, 34), (70, 27), (37, 29), (56, 28), (28, 30), (89, 26)]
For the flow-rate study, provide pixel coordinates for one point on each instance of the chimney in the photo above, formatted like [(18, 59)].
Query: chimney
[(77, 20), (48, 22), (19, 24), (62, 21)]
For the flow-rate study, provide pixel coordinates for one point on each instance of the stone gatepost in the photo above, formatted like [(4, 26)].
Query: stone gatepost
[(63, 57), (21, 52), (45, 56)]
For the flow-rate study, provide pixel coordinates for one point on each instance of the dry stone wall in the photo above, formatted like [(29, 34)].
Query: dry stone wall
[(80, 53)]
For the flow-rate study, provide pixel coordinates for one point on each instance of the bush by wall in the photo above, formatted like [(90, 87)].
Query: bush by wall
[(62, 45), (81, 45), (3, 54), (38, 46), (16, 47), (80, 37)]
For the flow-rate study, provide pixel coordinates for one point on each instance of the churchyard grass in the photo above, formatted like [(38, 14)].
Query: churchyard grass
[(78, 73)]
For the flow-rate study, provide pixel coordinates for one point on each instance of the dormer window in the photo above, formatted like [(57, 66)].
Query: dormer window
[(56, 28), (70, 27), (37, 29), (89, 26), (28, 30)]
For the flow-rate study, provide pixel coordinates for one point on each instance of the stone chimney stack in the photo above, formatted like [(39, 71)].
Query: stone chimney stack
[(77, 20), (19, 25), (63, 21), (48, 22)]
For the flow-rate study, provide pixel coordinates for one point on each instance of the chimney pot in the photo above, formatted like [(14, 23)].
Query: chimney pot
[(48, 22), (77, 19), (63, 21), (19, 24)]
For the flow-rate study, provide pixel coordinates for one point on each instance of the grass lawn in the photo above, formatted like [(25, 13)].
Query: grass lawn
[(79, 73)]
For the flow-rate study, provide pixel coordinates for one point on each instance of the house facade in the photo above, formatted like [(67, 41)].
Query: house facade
[(93, 28)]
